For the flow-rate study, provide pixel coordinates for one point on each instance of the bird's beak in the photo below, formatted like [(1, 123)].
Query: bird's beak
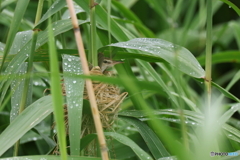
[(117, 62)]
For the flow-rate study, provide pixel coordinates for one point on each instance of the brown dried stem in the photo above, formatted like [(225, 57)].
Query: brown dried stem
[(89, 86)]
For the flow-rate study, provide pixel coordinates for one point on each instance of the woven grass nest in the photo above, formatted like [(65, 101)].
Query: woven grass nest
[(108, 98)]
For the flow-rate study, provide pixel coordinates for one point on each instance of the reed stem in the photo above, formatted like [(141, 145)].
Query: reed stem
[(89, 86)]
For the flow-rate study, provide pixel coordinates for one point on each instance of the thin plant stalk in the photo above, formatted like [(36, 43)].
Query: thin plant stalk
[(93, 33), (39, 11), (208, 67), (89, 86), (109, 20), (24, 98)]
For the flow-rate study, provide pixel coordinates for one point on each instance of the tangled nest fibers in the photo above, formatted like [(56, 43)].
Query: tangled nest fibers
[(108, 98)]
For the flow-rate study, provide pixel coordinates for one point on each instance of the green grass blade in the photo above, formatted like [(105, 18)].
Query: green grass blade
[(28, 79), (127, 141), (21, 39), (54, 8), (57, 93), (232, 133), (6, 3), (17, 90), (176, 55), (154, 144), (51, 143), (93, 56), (179, 9), (233, 81), (86, 140), (228, 114), (191, 115), (74, 95), (222, 57), (16, 21), (30, 117), (225, 92), (237, 10)]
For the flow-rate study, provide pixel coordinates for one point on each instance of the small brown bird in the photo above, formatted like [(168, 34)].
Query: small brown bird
[(106, 63)]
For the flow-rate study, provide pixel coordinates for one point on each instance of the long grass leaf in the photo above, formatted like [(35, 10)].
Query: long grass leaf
[(17, 90), (237, 10), (228, 114), (154, 144), (29, 118), (226, 93), (176, 55), (16, 21), (127, 141), (57, 93), (54, 8), (74, 87), (222, 57)]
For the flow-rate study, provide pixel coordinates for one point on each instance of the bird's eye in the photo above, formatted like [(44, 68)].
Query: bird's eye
[(105, 61)]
